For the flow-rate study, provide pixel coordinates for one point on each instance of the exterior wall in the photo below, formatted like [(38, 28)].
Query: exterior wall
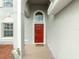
[(4, 13), (63, 33), (28, 30)]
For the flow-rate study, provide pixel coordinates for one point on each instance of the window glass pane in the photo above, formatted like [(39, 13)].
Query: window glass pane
[(11, 27), (11, 33), (8, 29), (8, 3), (39, 17)]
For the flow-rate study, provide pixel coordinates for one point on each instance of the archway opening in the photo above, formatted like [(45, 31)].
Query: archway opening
[(39, 27)]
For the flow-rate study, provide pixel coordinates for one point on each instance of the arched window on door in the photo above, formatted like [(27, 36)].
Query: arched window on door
[(39, 16)]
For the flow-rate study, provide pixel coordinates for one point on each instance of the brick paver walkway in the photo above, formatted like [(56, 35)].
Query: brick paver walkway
[(5, 51)]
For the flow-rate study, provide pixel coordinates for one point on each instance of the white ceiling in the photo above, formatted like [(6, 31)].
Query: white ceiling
[(39, 2)]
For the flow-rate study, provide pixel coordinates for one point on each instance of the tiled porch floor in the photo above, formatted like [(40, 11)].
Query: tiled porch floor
[(37, 52), (5, 51)]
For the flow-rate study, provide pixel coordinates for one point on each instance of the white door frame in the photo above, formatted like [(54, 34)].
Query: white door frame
[(39, 23)]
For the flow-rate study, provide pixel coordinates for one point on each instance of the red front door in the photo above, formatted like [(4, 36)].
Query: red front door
[(39, 33)]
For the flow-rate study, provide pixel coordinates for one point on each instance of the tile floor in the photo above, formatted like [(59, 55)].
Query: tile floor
[(37, 52)]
